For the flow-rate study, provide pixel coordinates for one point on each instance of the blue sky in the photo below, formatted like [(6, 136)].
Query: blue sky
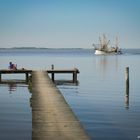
[(68, 23)]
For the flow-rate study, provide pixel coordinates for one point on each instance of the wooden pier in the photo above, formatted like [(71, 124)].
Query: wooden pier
[(19, 71), (52, 118), (74, 73)]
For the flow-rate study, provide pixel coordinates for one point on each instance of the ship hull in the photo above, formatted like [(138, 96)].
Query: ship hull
[(99, 52)]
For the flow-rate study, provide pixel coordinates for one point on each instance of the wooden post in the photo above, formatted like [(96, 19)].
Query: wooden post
[(75, 76), (52, 66), (127, 87), (52, 73), (0, 77), (27, 77), (127, 80)]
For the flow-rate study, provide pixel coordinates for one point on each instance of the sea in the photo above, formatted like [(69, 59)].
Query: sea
[(100, 100)]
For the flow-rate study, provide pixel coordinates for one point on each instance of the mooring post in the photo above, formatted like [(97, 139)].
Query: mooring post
[(0, 77), (52, 73), (127, 87), (27, 77), (127, 80), (52, 66), (75, 75)]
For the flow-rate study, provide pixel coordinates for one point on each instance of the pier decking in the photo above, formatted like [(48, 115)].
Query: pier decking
[(19, 71), (52, 118), (74, 72)]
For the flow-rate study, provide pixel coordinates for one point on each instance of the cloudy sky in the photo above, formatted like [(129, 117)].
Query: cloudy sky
[(68, 23)]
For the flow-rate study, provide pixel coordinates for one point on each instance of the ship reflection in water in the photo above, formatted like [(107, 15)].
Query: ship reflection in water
[(107, 66)]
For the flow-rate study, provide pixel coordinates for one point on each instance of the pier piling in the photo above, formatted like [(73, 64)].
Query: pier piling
[(75, 75), (127, 87), (127, 80), (52, 73)]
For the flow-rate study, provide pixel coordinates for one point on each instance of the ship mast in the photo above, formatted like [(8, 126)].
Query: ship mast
[(105, 42), (100, 39), (117, 43)]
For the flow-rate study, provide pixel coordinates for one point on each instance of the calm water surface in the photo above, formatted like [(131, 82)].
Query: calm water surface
[(99, 101)]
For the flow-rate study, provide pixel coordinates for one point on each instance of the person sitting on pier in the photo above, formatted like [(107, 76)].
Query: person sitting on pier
[(12, 66)]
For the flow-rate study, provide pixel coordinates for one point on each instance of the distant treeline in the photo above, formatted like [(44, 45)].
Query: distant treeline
[(12, 48)]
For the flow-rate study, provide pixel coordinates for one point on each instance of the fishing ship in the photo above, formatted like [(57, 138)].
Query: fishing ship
[(105, 48)]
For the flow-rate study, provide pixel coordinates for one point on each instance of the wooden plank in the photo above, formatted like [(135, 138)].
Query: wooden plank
[(49, 71), (15, 71), (74, 71), (26, 72), (52, 118), (63, 71), (13, 81)]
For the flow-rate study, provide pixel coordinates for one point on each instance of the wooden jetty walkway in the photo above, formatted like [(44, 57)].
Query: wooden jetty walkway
[(52, 118)]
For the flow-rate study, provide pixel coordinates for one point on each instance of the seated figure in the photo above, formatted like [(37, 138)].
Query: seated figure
[(12, 66)]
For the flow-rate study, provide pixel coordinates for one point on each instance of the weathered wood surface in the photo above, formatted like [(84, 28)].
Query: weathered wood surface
[(19, 71), (74, 71), (52, 118), (63, 71), (127, 80), (127, 87), (7, 71)]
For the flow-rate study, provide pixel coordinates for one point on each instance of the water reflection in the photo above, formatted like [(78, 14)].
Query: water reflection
[(127, 101), (12, 84), (127, 97), (15, 113), (66, 82), (12, 87), (106, 64)]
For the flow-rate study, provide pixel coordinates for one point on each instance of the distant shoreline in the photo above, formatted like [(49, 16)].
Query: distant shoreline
[(20, 48), (38, 48)]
